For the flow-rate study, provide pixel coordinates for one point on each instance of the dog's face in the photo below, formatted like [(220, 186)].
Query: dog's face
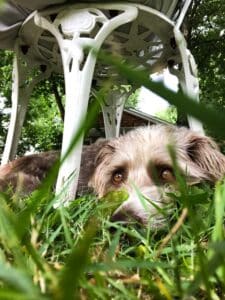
[(140, 160)]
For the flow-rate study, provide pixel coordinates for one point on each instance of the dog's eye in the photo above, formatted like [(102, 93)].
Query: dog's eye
[(166, 175), (118, 177), (162, 174)]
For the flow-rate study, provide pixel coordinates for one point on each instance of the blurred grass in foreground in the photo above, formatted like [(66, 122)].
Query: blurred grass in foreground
[(73, 253)]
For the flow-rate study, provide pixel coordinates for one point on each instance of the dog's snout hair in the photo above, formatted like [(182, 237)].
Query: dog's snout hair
[(141, 160), (143, 206)]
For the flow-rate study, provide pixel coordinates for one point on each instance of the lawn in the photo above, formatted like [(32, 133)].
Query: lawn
[(75, 252)]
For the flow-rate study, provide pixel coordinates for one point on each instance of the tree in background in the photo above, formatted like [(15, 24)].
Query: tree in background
[(5, 92), (169, 114), (43, 125), (206, 40), (132, 101)]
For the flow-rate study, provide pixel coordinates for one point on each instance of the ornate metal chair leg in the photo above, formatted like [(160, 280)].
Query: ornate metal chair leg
[(188, 76), (72, 28), (112, 110), (22, 87)]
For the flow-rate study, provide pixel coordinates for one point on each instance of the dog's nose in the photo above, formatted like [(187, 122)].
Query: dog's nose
[(125, 217), (119, 216)]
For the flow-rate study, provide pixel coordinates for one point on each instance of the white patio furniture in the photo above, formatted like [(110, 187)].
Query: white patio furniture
[(53, 40)]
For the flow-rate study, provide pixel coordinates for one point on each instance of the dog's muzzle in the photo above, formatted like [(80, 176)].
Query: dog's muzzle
[(144, 206)]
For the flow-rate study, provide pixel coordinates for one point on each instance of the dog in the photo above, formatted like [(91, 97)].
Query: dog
[(138, 162)]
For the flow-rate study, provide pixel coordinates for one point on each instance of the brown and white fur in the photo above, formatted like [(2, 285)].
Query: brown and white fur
[(139, 160), (24, 174)]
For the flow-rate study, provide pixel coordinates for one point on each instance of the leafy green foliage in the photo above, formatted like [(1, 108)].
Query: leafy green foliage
[(169, 114), (206, 23), (5, 90), (6, 73), (43, 126), (132, 101)]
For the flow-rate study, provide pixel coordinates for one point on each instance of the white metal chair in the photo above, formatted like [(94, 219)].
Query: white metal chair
[(53, 40)]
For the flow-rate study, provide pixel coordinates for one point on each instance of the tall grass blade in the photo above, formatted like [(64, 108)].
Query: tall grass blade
[(76, 263), (210, 117), (19, 281)]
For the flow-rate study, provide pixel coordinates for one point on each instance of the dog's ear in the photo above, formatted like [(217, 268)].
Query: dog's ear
[(105, 152), (26, 172), (37, 165), (204, 152), (98, 179), (88, 165)]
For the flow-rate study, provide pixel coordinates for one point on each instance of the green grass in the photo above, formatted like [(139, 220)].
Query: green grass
[(77, 253)]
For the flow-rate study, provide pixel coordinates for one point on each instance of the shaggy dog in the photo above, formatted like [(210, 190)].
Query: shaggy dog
[(138, 162)]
